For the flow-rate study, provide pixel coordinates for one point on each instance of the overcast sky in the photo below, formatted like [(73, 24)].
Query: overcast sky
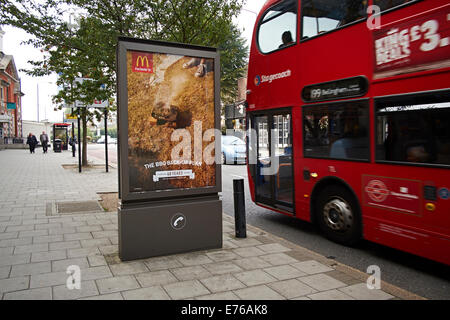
[(47, 87)]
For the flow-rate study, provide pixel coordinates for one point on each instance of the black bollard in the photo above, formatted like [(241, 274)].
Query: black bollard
[(239, 208)]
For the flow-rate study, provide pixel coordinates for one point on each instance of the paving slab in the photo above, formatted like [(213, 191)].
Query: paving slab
[(37, 245)]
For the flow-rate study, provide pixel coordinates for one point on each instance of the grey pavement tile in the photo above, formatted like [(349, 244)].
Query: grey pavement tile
[(361, 292), (254, 277), (56, 231), (14, 284), (312, 267), (291, 288), (15, 242), (252, 263), (87, 289), (185, 289), (9, 235), (258, 293), (222, 283), (127, 268), (150, 293), (94, 273), (278, 259), (95, 243), (32, 233), (96, 261), (330, 295), (48, 256), (222, 255), (47, 226), (47, 239), (109, 227), (116, 284), (83, 252), (19, 228), (284, 272), (191, 273), (9, 260), (89, 228), (65, 245), (34, 221), (31, 294), (48, 279), (30, 269), (111, 296), (40, 247), (110, 249), (194, 259), (247, 252), (62, 265), (104, 234), (301, 298), (7, 251), (222, 267), (219, 296), (155, 278), (245, 242), (322, 282), (78, 236), (4, 272), (73, 224), (273, 248)]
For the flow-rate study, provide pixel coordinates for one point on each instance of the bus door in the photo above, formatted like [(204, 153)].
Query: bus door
[(274, 173)]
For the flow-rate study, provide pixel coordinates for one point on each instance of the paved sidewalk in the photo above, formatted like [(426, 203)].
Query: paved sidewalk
[(37, 244)]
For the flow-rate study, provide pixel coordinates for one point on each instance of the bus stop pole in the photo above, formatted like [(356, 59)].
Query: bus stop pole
[(79, 140), (106, 138), (73, 137), (239, 208)]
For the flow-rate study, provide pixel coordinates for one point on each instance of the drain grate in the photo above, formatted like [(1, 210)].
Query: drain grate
[(76, 207)]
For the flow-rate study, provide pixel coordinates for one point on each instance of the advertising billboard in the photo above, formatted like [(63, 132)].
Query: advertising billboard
[(168, 113)]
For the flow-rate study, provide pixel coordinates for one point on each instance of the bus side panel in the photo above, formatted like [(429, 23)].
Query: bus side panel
[(301, 186), (402, 237)]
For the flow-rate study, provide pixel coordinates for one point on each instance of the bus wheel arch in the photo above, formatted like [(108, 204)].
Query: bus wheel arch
[(335, 209)]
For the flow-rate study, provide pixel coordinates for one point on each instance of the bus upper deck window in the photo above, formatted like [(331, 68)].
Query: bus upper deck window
[(319, 16), (388, 4), (278, 27)]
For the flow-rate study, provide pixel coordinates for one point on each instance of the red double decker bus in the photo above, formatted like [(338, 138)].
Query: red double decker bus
[(352, 109)]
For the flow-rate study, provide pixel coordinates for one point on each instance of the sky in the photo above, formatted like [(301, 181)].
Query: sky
[(46, 86)]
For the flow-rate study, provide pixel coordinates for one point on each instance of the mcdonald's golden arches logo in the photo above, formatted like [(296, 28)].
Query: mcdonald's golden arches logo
[(142, 62)]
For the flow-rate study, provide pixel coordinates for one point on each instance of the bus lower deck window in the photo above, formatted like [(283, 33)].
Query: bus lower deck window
[(415, 130)]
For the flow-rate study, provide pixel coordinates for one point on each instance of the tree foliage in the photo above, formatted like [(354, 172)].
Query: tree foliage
[(88, 49)]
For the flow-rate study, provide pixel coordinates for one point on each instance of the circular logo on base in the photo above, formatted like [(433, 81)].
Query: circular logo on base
[(178, 221), (377, 190)]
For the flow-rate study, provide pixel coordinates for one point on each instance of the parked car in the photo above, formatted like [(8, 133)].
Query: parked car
[(110, 140), (233, 150)]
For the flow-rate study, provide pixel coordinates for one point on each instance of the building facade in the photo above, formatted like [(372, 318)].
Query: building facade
[(10, 99)]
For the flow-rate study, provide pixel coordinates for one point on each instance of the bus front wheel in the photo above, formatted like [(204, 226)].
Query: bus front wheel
[(338, 215)]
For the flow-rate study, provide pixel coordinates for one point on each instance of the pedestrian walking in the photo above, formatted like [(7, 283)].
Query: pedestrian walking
[(32, 142), (44, 141)]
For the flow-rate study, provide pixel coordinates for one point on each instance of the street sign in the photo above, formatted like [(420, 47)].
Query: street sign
[(95, 103)]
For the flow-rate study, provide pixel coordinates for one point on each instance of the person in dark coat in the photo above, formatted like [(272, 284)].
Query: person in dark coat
[(44, 141), (32, 142)]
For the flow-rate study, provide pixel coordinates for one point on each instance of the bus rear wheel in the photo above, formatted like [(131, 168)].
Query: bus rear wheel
[(338, 215)]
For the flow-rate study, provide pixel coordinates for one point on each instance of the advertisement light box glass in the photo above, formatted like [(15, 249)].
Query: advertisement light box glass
[(168, 113)]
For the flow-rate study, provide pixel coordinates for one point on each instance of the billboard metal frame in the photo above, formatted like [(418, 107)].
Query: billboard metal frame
[(131, 44)]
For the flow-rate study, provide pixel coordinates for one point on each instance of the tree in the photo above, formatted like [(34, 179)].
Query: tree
[(89, 49)]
